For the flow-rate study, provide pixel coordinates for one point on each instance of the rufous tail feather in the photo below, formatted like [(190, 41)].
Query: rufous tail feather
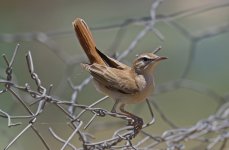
[(86, 41)]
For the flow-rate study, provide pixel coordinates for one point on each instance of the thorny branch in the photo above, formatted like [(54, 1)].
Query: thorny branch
[(212, 131)]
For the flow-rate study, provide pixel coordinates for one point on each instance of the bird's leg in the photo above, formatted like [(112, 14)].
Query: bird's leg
[(137, 123), (126, 112), (129, 114), (114, 107)]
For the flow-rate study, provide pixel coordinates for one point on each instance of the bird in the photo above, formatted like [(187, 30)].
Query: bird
[(124, 84)]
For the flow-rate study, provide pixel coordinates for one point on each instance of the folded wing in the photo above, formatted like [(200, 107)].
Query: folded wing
[(113, 78)]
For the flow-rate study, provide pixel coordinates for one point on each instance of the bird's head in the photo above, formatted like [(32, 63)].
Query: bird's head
[(146, 62)]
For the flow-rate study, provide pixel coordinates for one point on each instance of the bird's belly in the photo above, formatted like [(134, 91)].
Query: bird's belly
[(123, 97), (135, 98)]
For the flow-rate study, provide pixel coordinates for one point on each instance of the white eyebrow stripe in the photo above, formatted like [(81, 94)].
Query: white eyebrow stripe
[(146, 56)]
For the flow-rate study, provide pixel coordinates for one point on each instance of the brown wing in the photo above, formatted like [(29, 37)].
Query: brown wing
[(111, 62), (114, 79)]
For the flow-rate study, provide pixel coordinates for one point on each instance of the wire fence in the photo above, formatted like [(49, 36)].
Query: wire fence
[(209, 133)]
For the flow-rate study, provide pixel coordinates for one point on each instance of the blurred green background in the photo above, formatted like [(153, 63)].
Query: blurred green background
[(184, 106)]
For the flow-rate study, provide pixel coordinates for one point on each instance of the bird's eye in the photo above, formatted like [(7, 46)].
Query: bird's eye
[(145, 59)]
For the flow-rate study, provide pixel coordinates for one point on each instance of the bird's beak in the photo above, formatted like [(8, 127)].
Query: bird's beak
[(161, 58)]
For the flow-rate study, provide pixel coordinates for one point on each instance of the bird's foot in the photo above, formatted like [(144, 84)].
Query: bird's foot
[(137, 123)]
